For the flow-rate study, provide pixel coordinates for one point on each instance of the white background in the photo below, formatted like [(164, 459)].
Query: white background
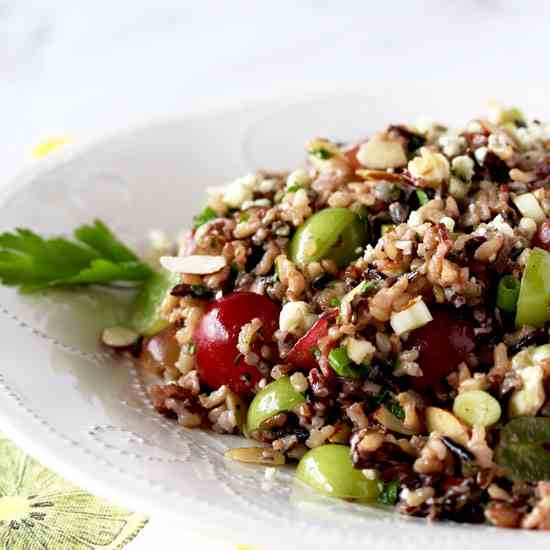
[(71, 67)]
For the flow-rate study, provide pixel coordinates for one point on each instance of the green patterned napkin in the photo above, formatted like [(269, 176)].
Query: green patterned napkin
[(41, 511)]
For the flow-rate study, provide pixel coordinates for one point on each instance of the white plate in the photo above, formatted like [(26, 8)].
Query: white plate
[(89, 419)]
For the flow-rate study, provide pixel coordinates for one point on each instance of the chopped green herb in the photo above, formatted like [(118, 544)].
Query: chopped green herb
[(335, 302), (294, 188), (205, 216), (321, 152), (415, 142), (32, 263), (234, 268), (390, 493), (191, 348), (341, 364), (422, 197), (368, 286), (244, 217), (395, 408), (199, 290)]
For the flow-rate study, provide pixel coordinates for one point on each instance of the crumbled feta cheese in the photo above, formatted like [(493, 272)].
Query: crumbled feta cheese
[(463, 167), (296, 318), (449, 223), (452, 145), (527, 227), (359, 351), (474, 127), (501, 226), (530, 207), (415, 219), (369, 253), (239, 191), (431, 168), (500, 144), (298, 177), (405, 246), (425, 125), (266, 186), (480, 154), (530, 398), (415, 316), (258, 202)]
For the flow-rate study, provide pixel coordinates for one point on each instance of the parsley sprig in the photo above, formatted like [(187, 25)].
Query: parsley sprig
[(32, 262)]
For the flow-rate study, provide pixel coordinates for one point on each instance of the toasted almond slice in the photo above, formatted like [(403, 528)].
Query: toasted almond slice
[(119, 337), (193, 265), (386, 418), (256, 455), (447, 424), (379, 153)]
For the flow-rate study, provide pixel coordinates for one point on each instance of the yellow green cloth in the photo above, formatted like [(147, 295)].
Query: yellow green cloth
[(40, 510)]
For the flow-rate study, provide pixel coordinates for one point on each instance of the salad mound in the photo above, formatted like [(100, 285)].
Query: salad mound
[(380, 316)]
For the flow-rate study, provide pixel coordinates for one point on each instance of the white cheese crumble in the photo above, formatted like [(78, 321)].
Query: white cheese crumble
[(298, 177), (501, 226), (452, 145), (415, 316), (480, 154), (530, 207), (463, 167), (239, 191), (296, 318), (359, 351)]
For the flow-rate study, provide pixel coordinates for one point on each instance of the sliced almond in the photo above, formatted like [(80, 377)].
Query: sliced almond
[(119, 337), (390, 421), (193, 265), (447, 424), (379, 154), (256, 455)]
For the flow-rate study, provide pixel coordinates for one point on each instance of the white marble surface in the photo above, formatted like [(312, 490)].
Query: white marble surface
[(69, 67)]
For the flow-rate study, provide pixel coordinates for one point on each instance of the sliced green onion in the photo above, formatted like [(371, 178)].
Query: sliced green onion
[(205, 216), (508, 293), (341, 363), (422, 197)]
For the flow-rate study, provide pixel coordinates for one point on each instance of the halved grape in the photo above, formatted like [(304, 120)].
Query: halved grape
[(336, 234), (279, 396), (329, 470)]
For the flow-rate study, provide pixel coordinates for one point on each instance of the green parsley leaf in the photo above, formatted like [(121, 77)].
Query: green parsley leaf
[(32, 262), (335, 302), (390, 493), (205, 216)]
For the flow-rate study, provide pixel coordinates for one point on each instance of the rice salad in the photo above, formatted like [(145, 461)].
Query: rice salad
[(380, 317)]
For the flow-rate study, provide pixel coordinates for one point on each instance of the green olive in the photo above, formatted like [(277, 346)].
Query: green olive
[(279, 396), (146, 317), (336, 234), (329, 470), (522, 449)]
